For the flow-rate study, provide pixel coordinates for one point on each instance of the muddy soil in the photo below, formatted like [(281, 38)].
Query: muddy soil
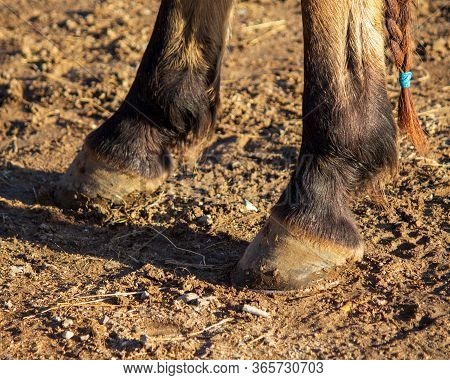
[(114, 276)]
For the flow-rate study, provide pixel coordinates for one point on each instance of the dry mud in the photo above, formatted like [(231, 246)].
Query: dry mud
[(66, 66)]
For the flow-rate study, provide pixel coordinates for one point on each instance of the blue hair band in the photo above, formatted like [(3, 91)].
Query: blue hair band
[(405, 79)]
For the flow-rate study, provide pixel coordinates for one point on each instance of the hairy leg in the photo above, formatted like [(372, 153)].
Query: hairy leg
[(168, 113), (349, 139)]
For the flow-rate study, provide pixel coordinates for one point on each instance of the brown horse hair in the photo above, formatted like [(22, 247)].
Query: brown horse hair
[(399, 18)]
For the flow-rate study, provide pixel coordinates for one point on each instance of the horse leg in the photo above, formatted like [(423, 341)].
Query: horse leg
[(349, 140), (168, 113)]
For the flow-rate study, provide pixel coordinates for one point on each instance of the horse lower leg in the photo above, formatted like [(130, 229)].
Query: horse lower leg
[(169, 111)]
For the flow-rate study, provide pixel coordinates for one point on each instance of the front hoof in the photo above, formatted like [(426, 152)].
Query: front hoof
[(90, 179), (279, 258)]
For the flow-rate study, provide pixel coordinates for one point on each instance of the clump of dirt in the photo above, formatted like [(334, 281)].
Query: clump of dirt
[(111, 281)]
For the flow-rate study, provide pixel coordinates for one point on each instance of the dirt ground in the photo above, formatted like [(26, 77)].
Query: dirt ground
[(65, 66)]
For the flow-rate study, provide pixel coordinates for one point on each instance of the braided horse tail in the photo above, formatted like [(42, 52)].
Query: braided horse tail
[(398, 23)]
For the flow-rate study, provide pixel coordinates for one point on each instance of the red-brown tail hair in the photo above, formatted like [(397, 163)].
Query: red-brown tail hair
[(398, 22)]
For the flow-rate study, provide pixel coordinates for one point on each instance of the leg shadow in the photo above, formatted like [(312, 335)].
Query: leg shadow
[(210, 257)]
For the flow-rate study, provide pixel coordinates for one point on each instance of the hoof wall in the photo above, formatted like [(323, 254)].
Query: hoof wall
[(278, 259), (88, 178)]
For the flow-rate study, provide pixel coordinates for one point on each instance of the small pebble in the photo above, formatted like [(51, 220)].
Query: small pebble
[(347, 307), (202, 302), (15, 90), (67, 334), (235, 164), (15, 269), (104, 320), (67, 323), (21, 269), (9, 304), (145, 295), (90, 19), (250, 206), (269, 341), (144, 338), (145, 12), (189, 297), (206, 219), (84, 338), (71, 25)]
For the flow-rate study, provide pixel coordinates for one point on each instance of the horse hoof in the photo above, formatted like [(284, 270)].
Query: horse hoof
[(279, 258), (90, 179)]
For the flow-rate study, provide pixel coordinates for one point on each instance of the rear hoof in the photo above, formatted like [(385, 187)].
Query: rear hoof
[(90, 179), (279, 259)]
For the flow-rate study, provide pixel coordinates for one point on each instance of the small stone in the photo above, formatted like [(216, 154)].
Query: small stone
[(14, 270), (269, 341), (20, 269), (203, 302), (71, 25), (90, 19), (144, 338), (84, 338), (347, 307), (235, 164), (189, 298), (104, 320), (67, 334), (15, 90), (111, 34), (145, 12), (145, 295), (9, 304), (250, 206), (206, 219), (67, 323)]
